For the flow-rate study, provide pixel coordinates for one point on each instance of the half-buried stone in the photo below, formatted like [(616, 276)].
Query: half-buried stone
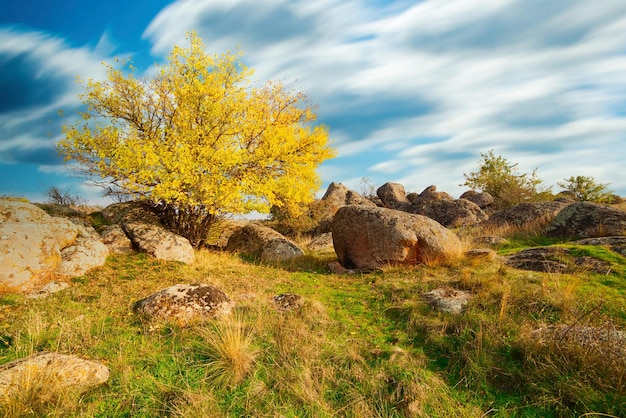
[(184, 304)]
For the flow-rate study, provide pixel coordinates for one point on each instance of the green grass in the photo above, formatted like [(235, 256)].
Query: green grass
[(362, 345)]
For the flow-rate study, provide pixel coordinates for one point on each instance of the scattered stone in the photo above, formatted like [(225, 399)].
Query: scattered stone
[(481, 254), (490, 240), (337, 268), (588, 220), (264, 243), (448, 299), (286, 302), (556, 260), (184, 303), (51, 374), (370, 237)]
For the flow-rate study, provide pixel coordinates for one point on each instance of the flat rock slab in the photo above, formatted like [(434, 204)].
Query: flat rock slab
[(617, 244), (446, 299), (286, 302), (556, 260), (185, 303)]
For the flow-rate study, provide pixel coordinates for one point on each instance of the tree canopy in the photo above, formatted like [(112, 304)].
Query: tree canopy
[(198, 139), (501, 179), (585, 188)]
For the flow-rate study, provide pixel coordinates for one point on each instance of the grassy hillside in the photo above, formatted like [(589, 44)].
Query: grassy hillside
[(363, 345)]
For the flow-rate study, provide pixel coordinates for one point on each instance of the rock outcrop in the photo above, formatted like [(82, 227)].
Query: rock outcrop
[(527, 213), (445, 299), (370, 237), (587, 220), (263, 243), (35, 246), (482, 199), (184, 304), (451, 213)]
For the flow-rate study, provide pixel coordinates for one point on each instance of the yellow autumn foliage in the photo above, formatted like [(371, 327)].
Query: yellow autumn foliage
[(198, 135)]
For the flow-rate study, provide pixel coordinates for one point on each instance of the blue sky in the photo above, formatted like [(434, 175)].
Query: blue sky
[(412, 91)]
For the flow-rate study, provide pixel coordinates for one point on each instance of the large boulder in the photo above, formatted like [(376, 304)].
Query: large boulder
[(588, 220), (370, 237), (527, 213), (159, 242), (263, 243), (116, 240), (451, 213), (184, 304), (49, 375), (35, 246)]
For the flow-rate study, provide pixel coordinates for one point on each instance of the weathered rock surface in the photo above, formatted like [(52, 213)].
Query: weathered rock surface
[(430, 195), (483, 199), (286, 302), (617, 244), (321, 242), (370, 237), (50, 374), (264, 243), (556, 260), (184, 303), (527, 213), (116, 240), (119, 213), (486, 254), (35, 246), (448, 299), (588, 220), (159, 242), (393, 196), (451, 213)]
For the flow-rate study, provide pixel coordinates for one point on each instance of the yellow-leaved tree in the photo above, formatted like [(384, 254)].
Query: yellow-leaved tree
[(198, 140)]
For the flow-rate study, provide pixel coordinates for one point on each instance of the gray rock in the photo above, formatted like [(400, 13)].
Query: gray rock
[(286, 302), (50, 374), (483, 199), (184, 303), (159, 242), (527, 213), (556, 260), (588, 220), (448, 299), (617, 244)]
